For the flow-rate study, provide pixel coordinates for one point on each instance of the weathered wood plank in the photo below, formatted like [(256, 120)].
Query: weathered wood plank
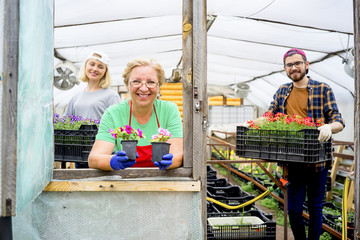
[(200, 100), (66, 174), (187, 38), (123, 186), (9, 108)]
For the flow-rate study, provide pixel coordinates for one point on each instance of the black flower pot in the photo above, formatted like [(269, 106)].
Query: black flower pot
[(158, 150), (129, 146)]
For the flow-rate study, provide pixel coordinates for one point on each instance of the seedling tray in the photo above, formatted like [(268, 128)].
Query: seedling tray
[(74, 145), (282, 146)]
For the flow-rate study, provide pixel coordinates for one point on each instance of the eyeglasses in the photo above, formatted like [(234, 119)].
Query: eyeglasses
[(148, 84), (296, 64)]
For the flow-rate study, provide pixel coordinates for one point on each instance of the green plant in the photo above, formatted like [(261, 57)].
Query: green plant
[(242, 221), (350, 217), (249, 188), (330, 211), (71, 122), (270, 203), (337, 204), (338, 191), (325, 236), (126, 133)]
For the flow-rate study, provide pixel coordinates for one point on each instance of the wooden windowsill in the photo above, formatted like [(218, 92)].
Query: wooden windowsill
[(84, 173), (122, 186)]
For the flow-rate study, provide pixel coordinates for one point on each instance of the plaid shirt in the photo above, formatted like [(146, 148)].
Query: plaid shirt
[(321, 105)]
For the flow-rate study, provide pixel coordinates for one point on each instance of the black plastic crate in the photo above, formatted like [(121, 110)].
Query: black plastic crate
[(277, 145), (329, 216), (338, 227), (209, 169), (74, 145), (211, 208), (331, 206), (226, 192), (265, 230), (211, 176), (221, 182), (232, 200)]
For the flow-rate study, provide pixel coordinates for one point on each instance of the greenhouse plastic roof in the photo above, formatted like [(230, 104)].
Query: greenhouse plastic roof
[(246, 40)]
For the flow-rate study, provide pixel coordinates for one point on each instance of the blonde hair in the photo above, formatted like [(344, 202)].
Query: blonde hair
[(144, 62), (105, 81)]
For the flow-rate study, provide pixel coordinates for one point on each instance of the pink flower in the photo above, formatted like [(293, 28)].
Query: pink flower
[(128, 129), (163, 136), (140, 132), (112, 132), (127, 133)]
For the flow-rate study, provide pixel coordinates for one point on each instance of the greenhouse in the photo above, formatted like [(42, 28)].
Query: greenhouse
[(223, 62)]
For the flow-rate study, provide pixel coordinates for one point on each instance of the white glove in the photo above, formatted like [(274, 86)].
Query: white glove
[(325, 132)]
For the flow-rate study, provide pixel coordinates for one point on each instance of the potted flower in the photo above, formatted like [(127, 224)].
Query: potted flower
[(282, 138), (129, 140), (160, 145), (73, 137)]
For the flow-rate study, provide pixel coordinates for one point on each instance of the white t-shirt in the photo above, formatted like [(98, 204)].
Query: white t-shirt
[(92, 104)]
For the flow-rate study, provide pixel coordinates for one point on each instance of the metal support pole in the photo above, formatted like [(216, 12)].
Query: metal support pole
[(356, 7)]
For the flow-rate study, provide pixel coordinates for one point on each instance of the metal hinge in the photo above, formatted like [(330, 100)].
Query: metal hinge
[(205, 123)]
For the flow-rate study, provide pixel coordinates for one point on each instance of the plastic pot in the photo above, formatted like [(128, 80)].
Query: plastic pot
[(159, 149), (129, 146)]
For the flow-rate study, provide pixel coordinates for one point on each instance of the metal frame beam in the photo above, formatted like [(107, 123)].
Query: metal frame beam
[(356, 12)]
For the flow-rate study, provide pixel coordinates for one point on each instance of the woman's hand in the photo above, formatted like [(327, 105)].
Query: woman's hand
[(121, 161), (165, 162)]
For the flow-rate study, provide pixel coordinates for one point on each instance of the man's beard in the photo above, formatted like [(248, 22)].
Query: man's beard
[(297, 78)]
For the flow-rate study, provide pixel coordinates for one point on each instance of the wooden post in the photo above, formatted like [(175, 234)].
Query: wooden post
[(224, 100), (270, 164), (9, 108), (241, 101), (334, 169), (194, 93), (187, 37), (356, 6)]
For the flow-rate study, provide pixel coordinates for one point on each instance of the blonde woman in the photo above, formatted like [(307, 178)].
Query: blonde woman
[(97, 96)]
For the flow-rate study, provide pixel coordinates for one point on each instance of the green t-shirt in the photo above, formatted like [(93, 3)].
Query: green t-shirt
[(118, 115)]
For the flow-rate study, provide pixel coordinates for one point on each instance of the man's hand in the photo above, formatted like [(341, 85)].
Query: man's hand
[(165, 162), (121, 161), (325, 132)]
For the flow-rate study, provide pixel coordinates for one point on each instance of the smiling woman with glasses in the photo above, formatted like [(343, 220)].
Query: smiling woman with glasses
[(148, 84), (143, 78)]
